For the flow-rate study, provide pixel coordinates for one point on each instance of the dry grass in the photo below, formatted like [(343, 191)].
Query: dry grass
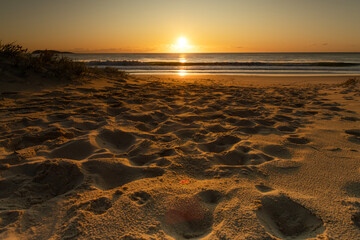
[(17, 59)]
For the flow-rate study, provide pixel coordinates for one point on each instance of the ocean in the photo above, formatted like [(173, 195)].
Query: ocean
[(227, 63)]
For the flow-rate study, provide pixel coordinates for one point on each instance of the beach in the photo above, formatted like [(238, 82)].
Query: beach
[(181, 157)]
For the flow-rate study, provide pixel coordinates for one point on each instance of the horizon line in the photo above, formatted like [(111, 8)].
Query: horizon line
[(200, 52)]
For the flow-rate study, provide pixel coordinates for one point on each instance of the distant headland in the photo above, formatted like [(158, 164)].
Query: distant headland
[(50, 51)]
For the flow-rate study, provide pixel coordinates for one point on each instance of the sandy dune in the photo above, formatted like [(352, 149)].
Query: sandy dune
[(181, 158)]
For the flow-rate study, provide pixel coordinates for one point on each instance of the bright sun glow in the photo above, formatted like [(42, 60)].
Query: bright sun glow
[(182, 42), (181, 45), (182, 72)]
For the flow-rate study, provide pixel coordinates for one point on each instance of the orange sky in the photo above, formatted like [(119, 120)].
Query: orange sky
[(208, 25)]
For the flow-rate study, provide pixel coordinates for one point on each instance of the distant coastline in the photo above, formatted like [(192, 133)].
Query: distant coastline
[(50, 51)]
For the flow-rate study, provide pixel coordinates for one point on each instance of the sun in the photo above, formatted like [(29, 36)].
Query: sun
[(181, 45), (182, 42)]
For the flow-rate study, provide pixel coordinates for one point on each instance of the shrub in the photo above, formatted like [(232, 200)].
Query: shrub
[(12, 50), (49, 64)]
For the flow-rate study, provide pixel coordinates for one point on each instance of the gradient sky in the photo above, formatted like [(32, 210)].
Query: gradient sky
[(208, 25)]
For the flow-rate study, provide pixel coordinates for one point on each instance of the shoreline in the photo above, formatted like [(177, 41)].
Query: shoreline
[(250, 79), (37, 84)]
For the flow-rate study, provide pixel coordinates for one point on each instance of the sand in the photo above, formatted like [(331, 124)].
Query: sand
[(181, 157)]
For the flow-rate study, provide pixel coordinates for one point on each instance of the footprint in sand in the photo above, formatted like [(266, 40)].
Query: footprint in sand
[(59, 176), (36, 136), (234, 157), (263, 188), (353, 119), (143, 159), (146, 152), (140, 197), (191, 217), (185, 133), (354, 135), (219, 145), (144, 127), (34, 183), (139, 118), (265, 122), (109, 174), (8, 217), (286, 128), (354, 132), (298, 140), (335, 109), (58, 117), (283, 118), (353, 189), (115, 140), (74, 218), (241, 122), (239, 157), (84, 125), (116, 109), (277, 151), (217, 128), (167, 152), (210, 196), (283, 165), (249, 130), (356, 219), (97, 206), (286, 219), (76, 150)]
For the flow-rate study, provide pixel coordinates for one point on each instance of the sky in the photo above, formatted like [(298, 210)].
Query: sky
[(182, 25)]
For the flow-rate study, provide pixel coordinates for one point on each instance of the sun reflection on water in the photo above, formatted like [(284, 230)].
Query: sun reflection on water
[(182, 72)]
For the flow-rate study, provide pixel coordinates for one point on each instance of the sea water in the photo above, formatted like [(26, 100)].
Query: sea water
[(227, 63)]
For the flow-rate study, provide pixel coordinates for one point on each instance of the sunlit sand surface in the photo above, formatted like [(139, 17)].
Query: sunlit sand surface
[(181, 157)]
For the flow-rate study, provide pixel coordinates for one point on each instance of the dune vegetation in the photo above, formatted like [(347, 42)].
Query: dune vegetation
[(17, 60)]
